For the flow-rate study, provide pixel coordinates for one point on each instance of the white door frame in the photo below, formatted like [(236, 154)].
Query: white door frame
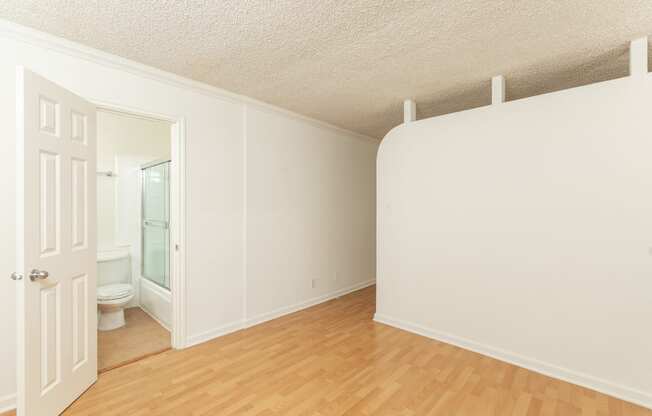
[(177, 213)]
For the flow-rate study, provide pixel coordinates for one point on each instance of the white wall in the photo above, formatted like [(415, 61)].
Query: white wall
[(216, 195), (524, 231), (310, 212), (124, 143)]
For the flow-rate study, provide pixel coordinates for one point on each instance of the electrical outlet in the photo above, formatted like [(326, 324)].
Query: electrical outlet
[(335, 277), (314, 283)]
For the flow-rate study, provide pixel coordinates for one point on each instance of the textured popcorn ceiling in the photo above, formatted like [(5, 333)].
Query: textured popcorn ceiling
[(351, 63)]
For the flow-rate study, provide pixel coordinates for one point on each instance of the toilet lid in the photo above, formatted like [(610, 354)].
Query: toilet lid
[(114, 291)]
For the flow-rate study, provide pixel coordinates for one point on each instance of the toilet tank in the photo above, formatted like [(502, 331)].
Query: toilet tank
[(113, 266)]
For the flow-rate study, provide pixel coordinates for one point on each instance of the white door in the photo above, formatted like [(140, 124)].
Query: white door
[(57, 318)]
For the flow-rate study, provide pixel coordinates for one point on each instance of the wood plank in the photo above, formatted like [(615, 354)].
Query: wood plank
[(332, 359)]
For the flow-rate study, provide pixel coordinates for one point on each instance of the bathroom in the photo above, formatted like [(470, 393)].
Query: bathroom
[(133, 222)]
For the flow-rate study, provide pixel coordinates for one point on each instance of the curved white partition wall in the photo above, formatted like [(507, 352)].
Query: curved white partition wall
[(523, 230)]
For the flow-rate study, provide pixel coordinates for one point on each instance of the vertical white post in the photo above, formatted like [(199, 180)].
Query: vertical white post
[(638, 57), (409, 111), (497, 90)]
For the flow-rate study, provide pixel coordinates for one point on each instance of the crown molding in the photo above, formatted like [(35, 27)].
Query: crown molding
[(73, 49)]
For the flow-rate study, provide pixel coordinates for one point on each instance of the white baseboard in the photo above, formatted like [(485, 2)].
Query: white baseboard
[(213, 333), (7, 403), (612, 389), (277, 313), (259, 319)]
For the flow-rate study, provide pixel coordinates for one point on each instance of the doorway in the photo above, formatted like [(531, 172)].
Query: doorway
[(57, 240), (133, 239)]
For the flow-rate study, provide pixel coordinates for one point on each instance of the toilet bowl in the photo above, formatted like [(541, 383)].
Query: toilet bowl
[(114, 289), (111, 301)]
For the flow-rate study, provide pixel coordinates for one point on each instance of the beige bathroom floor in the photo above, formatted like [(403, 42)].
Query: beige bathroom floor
[(141, 337)]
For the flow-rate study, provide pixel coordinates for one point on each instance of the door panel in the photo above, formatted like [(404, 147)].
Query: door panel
[(80, 321), (155, 228), (50, 337), (155, 249), (79, 203), (49, 199), (57, 338)]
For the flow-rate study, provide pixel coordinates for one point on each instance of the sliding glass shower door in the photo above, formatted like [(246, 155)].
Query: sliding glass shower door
[(155, 223)]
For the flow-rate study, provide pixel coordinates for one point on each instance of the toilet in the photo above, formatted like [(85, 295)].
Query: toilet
[(114, 288)]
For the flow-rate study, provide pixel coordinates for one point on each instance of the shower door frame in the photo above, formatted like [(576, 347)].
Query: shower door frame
[(177, 220), (143, 168)]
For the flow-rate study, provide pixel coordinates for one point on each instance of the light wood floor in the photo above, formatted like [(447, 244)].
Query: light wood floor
[(140, 337), (334, 360)]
